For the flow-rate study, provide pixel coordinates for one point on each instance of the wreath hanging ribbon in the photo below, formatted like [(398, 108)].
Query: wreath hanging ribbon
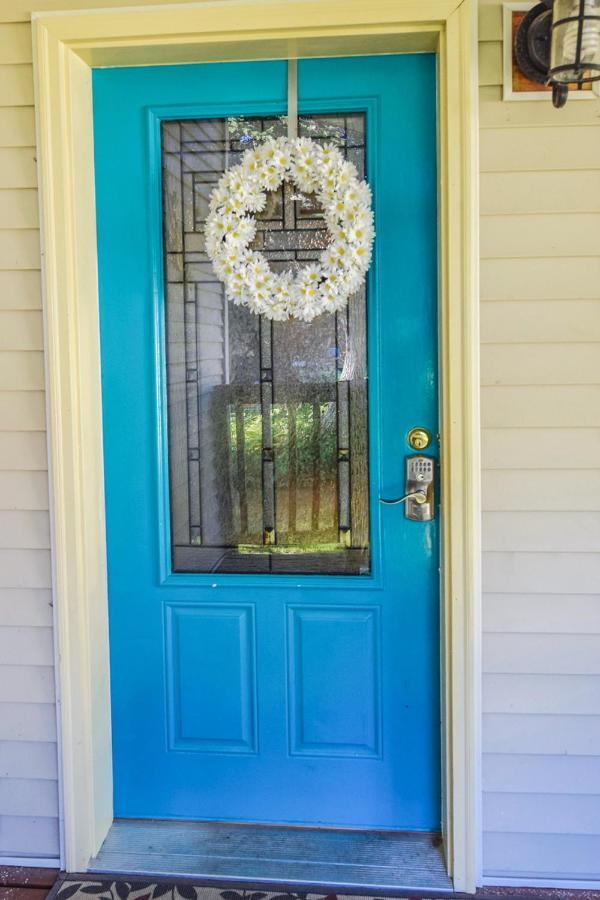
[(231, 227)]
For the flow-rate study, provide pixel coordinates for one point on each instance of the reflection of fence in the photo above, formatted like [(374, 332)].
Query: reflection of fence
[(302, 464)]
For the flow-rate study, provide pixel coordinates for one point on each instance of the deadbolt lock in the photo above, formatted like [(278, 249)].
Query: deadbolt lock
[(419, 438)]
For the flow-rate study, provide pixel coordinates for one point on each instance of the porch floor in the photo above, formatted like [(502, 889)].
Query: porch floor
[(378, 861)]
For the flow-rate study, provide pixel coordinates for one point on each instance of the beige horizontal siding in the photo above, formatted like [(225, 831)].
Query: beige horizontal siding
[(538, 613), (543, 813), (548, 774), (540, 448), (534, 193), (25, 568), (16, 88), (28, 758), (541, 405), (537, 236), (540, 369), (26, 683), (20, 759), (22, 411), (28, 796), (542, 856), (23, 449), (490, 60), (539, 149), (27, 721), (21, 370), (529, 572), (15, 43), (17, 170), (29, 529), (557, 321), (18, 208), (21, 329), (23, 490), (544, 654), (548, 532), (20, 290), (565, 279), (25, 607), (19, 247), (25, 836), (543, 363), (26, 645), (513, 490), (531, 114), (542, 735), (17, 126), (528, 693)]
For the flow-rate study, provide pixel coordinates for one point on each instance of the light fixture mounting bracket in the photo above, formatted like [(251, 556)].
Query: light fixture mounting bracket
[(532, 42)]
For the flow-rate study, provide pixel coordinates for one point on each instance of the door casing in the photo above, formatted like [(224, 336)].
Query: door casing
[(66, 47)]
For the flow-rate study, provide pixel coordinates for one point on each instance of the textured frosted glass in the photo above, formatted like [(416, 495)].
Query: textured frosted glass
[(267, 422)]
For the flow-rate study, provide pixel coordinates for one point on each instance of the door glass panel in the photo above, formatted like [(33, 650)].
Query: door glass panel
[(267, 421)]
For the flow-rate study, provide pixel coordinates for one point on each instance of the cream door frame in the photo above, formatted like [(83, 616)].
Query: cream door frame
[(66, 47)]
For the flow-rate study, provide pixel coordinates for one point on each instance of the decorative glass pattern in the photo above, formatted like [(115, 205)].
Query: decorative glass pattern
[(267, 421)]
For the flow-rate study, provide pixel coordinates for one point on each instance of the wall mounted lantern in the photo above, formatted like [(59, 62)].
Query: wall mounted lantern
[(558, 43)]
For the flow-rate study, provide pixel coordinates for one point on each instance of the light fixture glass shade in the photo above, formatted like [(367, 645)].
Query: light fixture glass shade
[(575, 53)]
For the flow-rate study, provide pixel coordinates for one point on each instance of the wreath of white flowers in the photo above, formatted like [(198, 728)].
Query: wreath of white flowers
[(231, 227)]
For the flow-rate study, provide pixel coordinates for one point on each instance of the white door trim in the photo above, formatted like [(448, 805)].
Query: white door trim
[(66, 47)]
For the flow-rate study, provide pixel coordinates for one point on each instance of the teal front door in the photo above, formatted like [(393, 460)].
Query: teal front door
[(274, 627)]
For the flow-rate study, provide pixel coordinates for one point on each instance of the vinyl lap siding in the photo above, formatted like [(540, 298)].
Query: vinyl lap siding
[(540, 357), (28, 758)]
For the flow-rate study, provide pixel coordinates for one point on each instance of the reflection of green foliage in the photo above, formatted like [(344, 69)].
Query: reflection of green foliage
[(304, 443)]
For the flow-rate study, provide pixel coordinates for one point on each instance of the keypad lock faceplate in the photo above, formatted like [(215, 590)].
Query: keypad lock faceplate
[(420, 478)]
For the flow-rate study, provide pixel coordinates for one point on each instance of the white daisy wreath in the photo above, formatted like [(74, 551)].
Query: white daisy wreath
[(231, 228)]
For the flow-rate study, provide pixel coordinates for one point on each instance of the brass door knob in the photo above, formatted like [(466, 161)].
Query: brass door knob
[(418, 438)]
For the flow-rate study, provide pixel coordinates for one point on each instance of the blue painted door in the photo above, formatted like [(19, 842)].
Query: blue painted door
[(274, 629)]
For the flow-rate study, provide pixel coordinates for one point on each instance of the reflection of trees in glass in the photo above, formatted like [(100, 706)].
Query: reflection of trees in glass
[(304, 446), (305, 455), (250, 131)]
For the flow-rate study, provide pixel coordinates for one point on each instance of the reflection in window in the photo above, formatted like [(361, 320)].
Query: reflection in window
[(267, 421)]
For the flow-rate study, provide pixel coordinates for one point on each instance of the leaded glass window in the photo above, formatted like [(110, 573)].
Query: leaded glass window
[(267, 421)]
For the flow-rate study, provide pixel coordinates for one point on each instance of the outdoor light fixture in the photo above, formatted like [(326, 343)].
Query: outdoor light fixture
[(558, 43)]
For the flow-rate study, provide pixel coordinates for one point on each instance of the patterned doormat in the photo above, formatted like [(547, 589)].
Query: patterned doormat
[(72, 887), (127, 890), (81, 887)]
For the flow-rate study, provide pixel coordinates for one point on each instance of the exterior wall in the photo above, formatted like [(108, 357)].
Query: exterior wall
[(28, 758), (540, 353), (540, 395)]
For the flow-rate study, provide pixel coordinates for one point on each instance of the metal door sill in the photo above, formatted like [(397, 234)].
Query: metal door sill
[(366, 861)]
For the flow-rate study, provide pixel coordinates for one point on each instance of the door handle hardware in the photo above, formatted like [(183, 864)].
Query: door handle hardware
[(417, 496), (420, 489)]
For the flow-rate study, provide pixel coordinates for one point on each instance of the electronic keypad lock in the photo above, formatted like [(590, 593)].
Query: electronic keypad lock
[(419, 498), (420, 473)]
